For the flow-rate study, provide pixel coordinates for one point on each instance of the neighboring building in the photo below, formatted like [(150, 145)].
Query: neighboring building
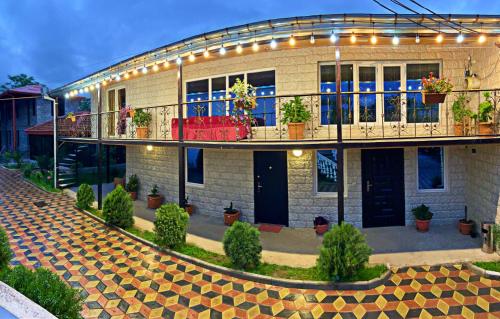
[(394, 153)]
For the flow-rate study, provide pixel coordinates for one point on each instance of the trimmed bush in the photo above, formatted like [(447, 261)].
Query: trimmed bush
[(46, 289), (85, 196), (44, 162), (117, 209), (344, 252), (5, 252), (242, 245), (171, 225), (27, 170)]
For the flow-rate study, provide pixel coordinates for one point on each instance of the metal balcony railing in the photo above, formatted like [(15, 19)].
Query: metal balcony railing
[(365, 115)]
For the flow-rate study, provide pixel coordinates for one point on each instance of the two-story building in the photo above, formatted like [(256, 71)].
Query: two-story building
[(390, 152)]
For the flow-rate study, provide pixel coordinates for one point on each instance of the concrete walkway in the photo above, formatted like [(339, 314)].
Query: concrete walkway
[(398, 246)]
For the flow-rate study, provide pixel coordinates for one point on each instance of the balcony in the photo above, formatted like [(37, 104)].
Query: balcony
[(367, 117)]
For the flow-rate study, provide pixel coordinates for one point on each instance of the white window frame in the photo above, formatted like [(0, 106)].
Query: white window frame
[(379, 85), (198, 185), (226, 76), (445, 172), (315, 176)]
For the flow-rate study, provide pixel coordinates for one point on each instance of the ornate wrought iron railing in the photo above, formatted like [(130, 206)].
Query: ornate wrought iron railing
[(364, 115)]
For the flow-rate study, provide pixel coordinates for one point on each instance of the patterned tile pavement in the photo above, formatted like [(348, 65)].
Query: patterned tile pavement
[(122, 278)]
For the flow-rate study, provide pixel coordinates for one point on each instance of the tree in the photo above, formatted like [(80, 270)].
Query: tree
[(16, 81)]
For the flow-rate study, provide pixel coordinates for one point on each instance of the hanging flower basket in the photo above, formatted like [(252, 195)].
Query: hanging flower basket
[(131, 113), (71, 117), (435, 89), (433, 98)]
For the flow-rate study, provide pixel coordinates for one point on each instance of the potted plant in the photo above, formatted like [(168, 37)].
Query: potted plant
[(461, 114), (133, 186), (434, 90), (321, 225), (423, 217), (231, 215), (244, 95), (189, 208), (141, 120), (465, 224), (484, 115), (71, 117), (295, 114), (121, 125), (118, 181), (154, 199)]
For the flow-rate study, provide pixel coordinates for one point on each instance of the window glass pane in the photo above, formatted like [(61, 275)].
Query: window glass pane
[(367, 102), (264, 113), (326, 165), (197, 91), (194, 160), (329, 101), (122, 98), (430, 168), (416, 111), (392, 101), (219, 93)]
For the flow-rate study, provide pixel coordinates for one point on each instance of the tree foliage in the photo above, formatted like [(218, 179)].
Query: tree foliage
[(18, 80)]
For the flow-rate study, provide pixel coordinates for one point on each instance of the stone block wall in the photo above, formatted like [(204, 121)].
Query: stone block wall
[(482, 191)]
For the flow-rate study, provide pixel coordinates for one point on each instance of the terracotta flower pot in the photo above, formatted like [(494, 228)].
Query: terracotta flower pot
[(119, 181), (459, 129), (433, 98), (422, 225), (321, 229), (230, 218), (154, 201), (465, 227), (486, 129), (131, 113), (189, 209), (142, 132), (296, 131), (133, 195)]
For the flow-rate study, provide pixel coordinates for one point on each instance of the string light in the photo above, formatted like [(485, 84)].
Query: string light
[(417, 38), (86, 89), (104, 83), (395, 40), (66, 95), (206, 54), (178, 60), (166, 64), (222, 50), (333, 37), (144, 70), (312, 40), (353, 38), (135, 72), (292, 40), (482, 38), (255, 46), (460, 38), (191, 57), (126, 75), (80, 91), (155, 67), (97, 86), (439, 38), (373, 39), (273, 44)]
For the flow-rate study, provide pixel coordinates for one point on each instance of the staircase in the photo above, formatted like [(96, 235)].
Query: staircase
[(68, 175)]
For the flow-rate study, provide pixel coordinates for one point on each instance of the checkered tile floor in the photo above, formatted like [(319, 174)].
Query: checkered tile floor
[(122, 278)]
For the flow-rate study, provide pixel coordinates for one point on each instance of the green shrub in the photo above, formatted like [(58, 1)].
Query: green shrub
[(242, 245), (46, 289), (18, 158), (133, 183), (344, 252), (44, 162), (117, 209), (85, 196), (171, 225), (5, 252), (422, 212), (27, 170)]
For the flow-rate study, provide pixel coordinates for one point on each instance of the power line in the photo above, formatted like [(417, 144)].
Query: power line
[(440, 16), (411, 20), (402, 5)]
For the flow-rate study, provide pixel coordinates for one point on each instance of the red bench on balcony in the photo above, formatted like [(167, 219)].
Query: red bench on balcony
[(210, 128)]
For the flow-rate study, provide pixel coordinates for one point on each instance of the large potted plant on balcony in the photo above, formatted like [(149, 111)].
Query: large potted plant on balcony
[(142, 120), (434, 90), (154, 198), (461, 114), (484, 115), (244, 95), (423, 217), (295, 114)]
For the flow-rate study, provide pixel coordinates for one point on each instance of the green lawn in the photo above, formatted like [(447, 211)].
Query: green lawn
[(489, 265), (272, 270), (44, 184)]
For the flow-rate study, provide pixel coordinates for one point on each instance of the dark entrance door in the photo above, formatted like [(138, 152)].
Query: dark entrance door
[(270, 187), (382, 173)]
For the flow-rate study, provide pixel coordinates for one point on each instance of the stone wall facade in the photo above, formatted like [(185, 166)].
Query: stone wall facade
[(228, 176)]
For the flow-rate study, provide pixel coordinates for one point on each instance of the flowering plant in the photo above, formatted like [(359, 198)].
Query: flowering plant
[(121, 126), (432, 84), (244, 95)]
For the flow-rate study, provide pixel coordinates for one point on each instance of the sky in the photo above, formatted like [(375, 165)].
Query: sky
[(58, 41)]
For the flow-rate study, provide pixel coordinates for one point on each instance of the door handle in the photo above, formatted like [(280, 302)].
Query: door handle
[(368, 186), (259, 186)]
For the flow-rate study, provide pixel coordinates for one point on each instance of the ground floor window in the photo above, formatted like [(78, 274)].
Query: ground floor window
[(194, 165), (326, 171), (431, 168)]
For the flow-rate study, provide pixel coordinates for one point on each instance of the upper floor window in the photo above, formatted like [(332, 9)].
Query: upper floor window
[(431, 168), (416, 111), (196, 93), (329, 101), (265, 111)]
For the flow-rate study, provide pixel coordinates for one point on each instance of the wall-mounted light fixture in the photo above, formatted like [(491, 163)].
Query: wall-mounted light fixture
[(149, 148), (297, 153)]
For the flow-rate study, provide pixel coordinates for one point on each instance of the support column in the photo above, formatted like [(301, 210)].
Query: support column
[(340, 147), (55, 106), (181, 149), (14, 126), (99, 149)]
